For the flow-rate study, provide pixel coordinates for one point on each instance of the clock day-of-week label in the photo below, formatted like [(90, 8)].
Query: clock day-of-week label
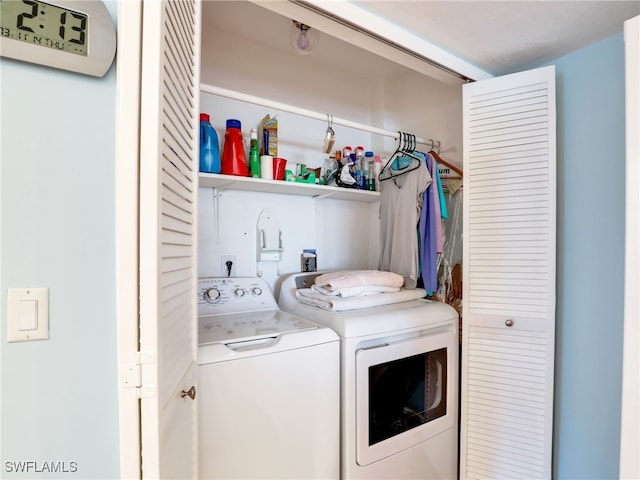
[(35, 39)]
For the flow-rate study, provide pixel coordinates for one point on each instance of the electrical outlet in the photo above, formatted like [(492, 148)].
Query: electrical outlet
[(225, 269)]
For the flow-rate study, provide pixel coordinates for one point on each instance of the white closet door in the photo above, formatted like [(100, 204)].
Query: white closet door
[(509, 249), (168, 273)]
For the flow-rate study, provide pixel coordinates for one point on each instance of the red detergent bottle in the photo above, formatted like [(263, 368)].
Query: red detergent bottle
[(233, 157)]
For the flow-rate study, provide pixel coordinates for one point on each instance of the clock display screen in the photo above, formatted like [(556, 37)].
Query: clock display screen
[(46, 25)]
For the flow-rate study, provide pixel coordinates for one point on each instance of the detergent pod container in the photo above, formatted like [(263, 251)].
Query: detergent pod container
[(209, 146), (233, 156)]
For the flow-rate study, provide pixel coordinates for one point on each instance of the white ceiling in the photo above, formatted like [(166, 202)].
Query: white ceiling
[(506, 36), (495, 36)]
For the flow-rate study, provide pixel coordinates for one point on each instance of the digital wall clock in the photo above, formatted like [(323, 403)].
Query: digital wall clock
[(73, 35)]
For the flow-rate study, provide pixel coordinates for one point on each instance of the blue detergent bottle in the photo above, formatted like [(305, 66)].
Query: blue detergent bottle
[(209, 146)]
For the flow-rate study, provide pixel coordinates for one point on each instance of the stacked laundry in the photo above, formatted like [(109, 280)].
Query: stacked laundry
[(355, 289)]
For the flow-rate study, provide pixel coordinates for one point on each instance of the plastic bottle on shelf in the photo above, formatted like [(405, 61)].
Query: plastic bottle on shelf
[(370, 180), (329, 170), (356, 171), (377, 168), (358, 154), (254, 154), (233, 156), (209, 147), (346, 155)]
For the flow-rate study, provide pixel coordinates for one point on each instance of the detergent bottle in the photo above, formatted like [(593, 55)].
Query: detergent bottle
[(254, 154), (233, 157), (209, 147)]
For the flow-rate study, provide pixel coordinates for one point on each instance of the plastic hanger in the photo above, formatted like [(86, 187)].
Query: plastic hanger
[(406, 148)]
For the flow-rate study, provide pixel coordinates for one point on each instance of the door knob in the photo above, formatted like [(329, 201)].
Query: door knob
[(191, 393), (509, 323)]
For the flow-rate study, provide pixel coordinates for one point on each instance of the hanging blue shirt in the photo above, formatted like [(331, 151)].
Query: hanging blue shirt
[(427, 235)]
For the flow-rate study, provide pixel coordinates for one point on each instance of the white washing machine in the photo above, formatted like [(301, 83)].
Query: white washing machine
[(399, 385), (268, 395)]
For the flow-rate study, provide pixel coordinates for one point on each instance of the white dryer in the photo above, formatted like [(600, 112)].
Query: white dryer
[(399, 385), (268, 395)]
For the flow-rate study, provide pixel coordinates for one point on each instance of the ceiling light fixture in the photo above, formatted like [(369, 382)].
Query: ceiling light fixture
[(302, 38)]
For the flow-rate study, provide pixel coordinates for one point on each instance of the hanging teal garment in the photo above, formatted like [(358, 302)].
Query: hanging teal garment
[(401, 162), (443, 205)]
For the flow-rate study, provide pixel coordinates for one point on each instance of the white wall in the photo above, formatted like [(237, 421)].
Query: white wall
[(59, 396)]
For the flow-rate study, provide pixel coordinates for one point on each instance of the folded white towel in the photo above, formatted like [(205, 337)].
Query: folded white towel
[(357, 278), (355, 291), (337, 303)]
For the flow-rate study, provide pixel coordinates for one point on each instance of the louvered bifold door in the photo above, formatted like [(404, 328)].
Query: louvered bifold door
[(168, 269), (509, 230)]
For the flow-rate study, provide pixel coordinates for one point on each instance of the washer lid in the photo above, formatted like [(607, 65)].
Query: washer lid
[(249, 326)]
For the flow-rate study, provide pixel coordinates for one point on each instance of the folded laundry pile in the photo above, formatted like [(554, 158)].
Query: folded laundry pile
[(352, 283), (355, 289)]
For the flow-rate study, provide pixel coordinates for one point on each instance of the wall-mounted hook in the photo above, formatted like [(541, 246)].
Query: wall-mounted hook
[(330, 136)]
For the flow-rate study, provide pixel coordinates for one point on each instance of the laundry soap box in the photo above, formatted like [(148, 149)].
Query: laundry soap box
[(270, 136)]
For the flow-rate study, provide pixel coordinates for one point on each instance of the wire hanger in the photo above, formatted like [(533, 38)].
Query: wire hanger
[(406, 148)]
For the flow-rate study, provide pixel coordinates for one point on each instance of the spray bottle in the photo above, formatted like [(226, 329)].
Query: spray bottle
[(254, 154)]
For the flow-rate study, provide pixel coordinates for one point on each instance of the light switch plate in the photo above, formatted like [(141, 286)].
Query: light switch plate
[(28, 314)]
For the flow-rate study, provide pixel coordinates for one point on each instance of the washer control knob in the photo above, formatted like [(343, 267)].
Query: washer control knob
[(211, 295), (238, 292), (257, 291)]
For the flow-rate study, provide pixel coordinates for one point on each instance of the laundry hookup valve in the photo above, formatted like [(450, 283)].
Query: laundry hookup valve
[(308, 260)]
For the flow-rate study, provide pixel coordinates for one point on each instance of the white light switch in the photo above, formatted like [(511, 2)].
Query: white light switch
[(28, 314)]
